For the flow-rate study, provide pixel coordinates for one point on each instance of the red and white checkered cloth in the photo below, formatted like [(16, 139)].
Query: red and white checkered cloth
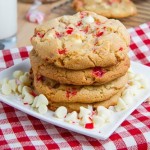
[(21, 131)]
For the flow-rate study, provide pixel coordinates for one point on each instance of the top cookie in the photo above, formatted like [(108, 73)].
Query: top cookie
[(81, 41), (107, 8)]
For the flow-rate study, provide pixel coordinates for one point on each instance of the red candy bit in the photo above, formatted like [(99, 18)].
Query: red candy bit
[(40, 34), (89, 125), (39, 78), (69, 30), (58, 34), (79, 23), (62, 51), (25, 103), (98, 34), (71, 92), (121, 49), (86, 29), (97, 71), (33, 94)]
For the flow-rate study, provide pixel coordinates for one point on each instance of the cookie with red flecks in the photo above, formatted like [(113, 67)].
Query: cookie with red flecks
[(107, 8), (92, 76), (56, 92), (76, 106), (81, 41)]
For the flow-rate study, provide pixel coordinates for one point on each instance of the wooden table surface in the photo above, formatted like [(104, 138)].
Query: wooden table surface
[(26, 29)]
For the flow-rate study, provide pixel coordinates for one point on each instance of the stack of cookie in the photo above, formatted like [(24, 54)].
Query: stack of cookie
[(80, 60)]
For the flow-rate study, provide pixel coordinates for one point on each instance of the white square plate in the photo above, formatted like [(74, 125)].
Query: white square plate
[(105, 131)]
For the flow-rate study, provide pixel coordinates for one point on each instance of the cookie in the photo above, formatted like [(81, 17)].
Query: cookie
[(107, 8), (76, 106), (90, 76), (57, 92), (81, 41)]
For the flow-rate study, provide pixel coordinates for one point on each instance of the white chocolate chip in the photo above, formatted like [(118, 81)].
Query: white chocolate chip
[(104, 113), (6, 89), (42, 109), (25, 79), (25, 90), (43, 99), (135, 83), (90, 107), (84, 111), (28, 98), (88, 19), (3, 81), (144, 84), (130, 71), (50, 35), (34, 101), (38, 102), (71, 117), (85, 119), (17, 74), (121, 105), (20, 87), (13, 85), (131, 76), (61, 112), (98, 121), (128, 99), (138, 77), (111, 108), (134, 90)]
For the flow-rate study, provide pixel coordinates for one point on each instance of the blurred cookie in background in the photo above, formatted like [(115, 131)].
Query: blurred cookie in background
[(107, 8), (43, 1)]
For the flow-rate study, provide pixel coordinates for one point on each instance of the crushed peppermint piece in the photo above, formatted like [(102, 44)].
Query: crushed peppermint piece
[(98, 34), (62, 51), (89, 125), (61, 112), (25, 103), (33, 93), (71, 92), (86, 29), (58, 35), (41, 35), (39, 78), (79, 23), (97, 71), (69, 30), (121, 49)]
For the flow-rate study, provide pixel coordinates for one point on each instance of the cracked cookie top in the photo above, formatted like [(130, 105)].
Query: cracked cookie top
[(81, 41)]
